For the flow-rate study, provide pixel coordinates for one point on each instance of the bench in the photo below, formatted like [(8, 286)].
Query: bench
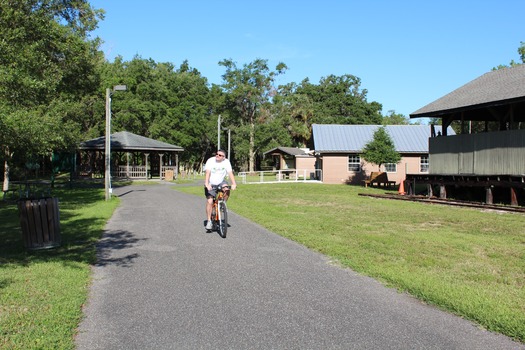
[(379, 178), (27, 189), (11, 194)]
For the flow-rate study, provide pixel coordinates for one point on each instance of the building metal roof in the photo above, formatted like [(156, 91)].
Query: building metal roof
[(499, 87), (127, 141), (332, 138)]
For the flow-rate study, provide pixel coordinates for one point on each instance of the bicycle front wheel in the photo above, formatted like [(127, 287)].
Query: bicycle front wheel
[(223, 219)]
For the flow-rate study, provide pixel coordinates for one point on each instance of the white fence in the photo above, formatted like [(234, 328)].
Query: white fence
[(140, 171), (279, 176)]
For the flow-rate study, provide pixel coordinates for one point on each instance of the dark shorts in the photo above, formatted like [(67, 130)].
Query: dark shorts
[(213, 192)]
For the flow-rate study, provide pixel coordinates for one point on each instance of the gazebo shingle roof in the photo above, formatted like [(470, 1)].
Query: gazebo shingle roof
[(127, 141)]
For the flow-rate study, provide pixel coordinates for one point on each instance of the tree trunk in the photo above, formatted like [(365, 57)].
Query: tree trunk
[(5, 186)]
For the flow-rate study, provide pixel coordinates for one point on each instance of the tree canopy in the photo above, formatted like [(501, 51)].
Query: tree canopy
[(47, 70)]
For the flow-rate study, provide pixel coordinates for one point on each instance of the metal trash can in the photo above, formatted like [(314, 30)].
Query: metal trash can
[(40, 222)]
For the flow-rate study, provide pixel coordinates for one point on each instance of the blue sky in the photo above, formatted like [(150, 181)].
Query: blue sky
[(406, 53)]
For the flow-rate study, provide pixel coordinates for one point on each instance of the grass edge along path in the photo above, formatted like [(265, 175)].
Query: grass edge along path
[(42, 292), (465, 261)]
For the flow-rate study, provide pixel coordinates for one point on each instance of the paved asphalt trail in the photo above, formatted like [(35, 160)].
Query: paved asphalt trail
[(162, 282)]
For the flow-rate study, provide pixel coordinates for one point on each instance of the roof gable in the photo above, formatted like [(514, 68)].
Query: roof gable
[(331, 138), (293, 151)]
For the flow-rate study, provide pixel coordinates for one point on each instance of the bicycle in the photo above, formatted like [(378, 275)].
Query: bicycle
[(219, 213)]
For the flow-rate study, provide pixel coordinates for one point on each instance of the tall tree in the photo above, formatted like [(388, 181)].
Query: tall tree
[(296, 112), (340, 100), (47, 65), (381, 149), (248, 90)]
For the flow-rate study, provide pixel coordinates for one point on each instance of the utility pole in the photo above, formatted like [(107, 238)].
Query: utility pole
[(107, 147), (219, 133)]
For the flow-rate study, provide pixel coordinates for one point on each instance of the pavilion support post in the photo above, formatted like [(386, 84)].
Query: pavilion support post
[(176, 166), (92, 168), (513, 197), (430, 191), (409, 189), (489, 199), (160, 165), (442, 192), (147, 155), (127, 164)]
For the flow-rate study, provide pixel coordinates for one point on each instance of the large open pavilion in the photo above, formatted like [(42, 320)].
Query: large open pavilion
[(132, 156)]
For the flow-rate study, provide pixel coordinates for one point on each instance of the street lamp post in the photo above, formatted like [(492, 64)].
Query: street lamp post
[(107, 150), (229, 134), (219, 132), (219, 128)]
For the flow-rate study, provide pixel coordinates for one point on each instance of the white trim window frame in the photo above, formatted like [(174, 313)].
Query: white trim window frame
[(354, 162), (391, 167), (424, 161)]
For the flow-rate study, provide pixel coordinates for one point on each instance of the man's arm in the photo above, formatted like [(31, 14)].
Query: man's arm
[(232, 178), (207, 180)]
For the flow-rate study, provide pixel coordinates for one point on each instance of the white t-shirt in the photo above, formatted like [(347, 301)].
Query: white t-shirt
[(218, 170)]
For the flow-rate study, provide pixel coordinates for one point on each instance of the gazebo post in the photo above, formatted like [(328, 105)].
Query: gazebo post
[(127, 164), (160, 165), (176, 166), (147, 155)]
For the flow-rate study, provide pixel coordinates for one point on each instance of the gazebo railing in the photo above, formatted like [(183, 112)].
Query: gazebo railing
[(132, 171), (139, 171)]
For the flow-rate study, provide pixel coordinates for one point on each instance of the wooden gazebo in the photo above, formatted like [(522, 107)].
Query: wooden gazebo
[(132, 156)]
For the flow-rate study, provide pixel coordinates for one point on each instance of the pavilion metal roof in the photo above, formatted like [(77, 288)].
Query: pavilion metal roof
[(333, 138), (127, 141), (499, 87)]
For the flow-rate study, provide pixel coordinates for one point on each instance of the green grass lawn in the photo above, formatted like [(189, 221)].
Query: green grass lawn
[(466, 261), (42, 292)]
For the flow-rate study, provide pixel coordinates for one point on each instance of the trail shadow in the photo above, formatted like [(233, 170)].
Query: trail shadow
[(128, 192), (112, 242)]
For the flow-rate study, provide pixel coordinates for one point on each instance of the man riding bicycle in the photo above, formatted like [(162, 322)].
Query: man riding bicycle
[(216, 169)]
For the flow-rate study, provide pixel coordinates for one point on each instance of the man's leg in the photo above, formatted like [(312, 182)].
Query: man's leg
[(209, 207)]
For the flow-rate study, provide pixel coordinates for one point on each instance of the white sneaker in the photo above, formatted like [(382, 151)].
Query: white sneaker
[(209, 225)]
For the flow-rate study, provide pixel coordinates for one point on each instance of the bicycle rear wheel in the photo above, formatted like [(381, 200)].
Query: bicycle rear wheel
[(223, 219)]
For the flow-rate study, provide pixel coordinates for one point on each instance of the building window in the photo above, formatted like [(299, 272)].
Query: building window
[(391, 167), (423, 164), (354, 162)]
